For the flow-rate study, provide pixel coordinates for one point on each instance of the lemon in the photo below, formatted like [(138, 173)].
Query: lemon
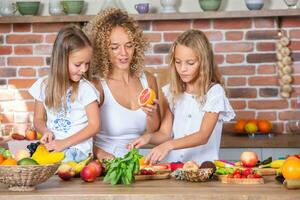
[(251, 127)]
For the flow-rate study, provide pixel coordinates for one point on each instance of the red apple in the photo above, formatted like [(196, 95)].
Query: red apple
[(66, 172), (249, 159), (98, 166), (190, 165), (89, 173)]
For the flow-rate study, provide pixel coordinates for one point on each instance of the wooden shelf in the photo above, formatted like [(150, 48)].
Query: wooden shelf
[(157, 16)]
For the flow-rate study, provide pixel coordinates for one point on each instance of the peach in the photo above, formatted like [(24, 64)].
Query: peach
[(66, 172), (190, 165)]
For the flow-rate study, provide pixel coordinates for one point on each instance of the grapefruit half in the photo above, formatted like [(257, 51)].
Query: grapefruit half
[(146, 97)]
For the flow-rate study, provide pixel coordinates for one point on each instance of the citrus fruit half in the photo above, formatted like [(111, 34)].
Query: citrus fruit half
[(146, 97)]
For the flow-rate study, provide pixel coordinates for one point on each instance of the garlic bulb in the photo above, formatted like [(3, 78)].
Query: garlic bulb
[(284, 62)]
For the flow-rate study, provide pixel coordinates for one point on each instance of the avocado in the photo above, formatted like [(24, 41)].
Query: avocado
[(27, 161)]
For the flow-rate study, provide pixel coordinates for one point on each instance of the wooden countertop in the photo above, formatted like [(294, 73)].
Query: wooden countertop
[(168, 189), (158, 16), (230, 140)]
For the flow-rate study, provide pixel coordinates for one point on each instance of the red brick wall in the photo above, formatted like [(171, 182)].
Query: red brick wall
[(244, 50)]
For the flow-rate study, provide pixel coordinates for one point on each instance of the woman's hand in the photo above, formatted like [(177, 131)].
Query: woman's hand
[(151, 110), (141, 141), (159, 152), (47, 137), (56, 145)]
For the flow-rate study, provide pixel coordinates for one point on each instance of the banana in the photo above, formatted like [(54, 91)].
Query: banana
[(275, 164), (79, 166)]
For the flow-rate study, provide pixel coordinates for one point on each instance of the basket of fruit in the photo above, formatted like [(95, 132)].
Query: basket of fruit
[(25, 177), (28, 169), (194, 173)]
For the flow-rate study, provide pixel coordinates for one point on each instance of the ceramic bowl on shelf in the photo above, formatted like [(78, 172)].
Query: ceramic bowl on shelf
[(210, 5), (254, 4), (73, 7), (28, 7)]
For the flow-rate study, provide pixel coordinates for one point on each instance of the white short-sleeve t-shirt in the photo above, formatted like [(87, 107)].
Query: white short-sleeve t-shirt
[(65, 123), (188, 114)]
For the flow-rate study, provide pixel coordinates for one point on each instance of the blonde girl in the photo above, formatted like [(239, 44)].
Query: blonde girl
[(66, 109), (197, 105)]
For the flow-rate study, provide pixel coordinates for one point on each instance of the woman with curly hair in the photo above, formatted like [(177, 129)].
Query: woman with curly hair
[(118, 63)]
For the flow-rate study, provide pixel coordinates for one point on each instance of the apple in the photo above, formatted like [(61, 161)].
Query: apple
[(249, 159), (66, 172), (30, 134), (190, 165), (89, 173), (98, 166)]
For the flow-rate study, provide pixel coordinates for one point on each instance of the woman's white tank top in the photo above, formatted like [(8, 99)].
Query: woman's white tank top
[(119, 125)]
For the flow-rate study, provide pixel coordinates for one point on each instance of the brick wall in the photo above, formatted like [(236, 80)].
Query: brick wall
[(244, 49)]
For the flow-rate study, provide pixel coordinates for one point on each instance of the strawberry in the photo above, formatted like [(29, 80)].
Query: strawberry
[(246, 172), (237, 176), (255, 175)]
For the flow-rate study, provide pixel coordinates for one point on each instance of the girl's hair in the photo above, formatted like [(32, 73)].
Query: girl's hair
[(99, 30), (208, 71), (69, 39)]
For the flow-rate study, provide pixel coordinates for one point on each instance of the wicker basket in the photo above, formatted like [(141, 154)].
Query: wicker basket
[(26, 177), (200, 175)]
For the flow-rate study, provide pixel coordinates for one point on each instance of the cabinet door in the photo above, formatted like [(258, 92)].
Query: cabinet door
[(279, 152), (233, 154)]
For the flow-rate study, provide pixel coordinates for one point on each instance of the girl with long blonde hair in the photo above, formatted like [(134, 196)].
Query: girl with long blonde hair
[(197, 105), (66, 110)]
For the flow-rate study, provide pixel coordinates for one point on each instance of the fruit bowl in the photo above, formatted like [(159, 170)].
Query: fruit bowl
[(26, 177), (199, 175)]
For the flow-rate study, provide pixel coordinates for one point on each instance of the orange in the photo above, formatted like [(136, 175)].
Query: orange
[(264, 126), (146, 97), (9, 161), (291, 168), (1, 158), (240, 125)]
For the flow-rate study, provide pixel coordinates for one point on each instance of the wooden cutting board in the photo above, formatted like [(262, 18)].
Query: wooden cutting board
[(265, 171), (250, 181), (165, 175)]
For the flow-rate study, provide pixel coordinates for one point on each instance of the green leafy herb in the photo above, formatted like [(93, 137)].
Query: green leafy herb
[(122, 170)]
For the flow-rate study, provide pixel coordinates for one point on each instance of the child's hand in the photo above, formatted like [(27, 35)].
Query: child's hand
[(158, 153), (47, 137), (150, 110), (141, 141), (56, 145)]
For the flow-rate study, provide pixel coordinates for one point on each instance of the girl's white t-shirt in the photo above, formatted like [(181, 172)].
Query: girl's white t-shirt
[(65, 123), (187, 118)]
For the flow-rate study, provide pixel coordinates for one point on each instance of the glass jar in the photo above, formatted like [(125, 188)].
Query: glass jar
[(55, 7)]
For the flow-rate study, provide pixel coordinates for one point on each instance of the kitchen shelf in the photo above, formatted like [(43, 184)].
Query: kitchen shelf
[(158, 16)]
